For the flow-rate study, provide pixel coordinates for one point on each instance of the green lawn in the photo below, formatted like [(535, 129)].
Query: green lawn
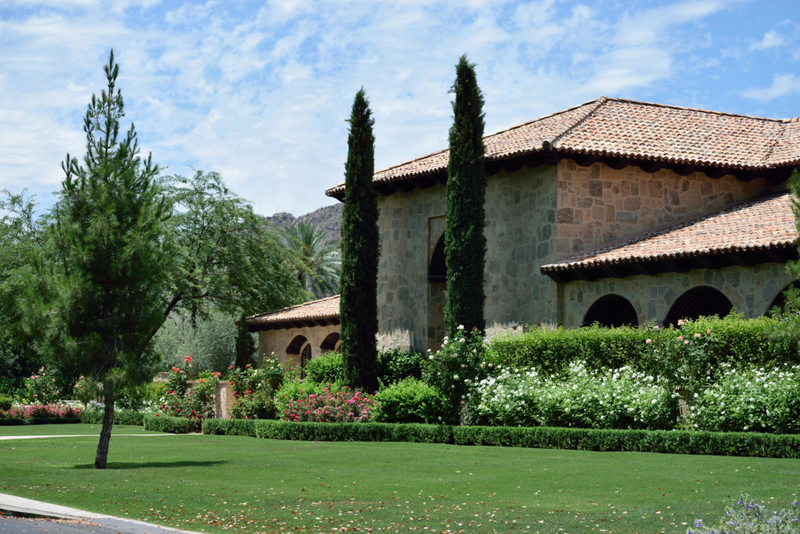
[(71, 429), (216, 483)]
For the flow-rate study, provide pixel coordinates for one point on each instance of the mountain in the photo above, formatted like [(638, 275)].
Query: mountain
[(328, 218)]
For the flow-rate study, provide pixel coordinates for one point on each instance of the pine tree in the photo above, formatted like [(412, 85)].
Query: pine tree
[(112, 247), (465, 243), (360, 252)]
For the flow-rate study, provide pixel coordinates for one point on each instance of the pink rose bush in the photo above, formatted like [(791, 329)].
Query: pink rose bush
[(41, 411), (41, 387), (196, 404), (343, 406)]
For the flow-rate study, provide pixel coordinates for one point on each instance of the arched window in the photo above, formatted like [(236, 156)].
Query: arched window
[(437, 270), (611, 310), (780, 298), (296, 344), (702, 301), (305, 357), (330, 342)]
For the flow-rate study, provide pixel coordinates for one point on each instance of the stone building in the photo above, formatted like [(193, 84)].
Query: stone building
[(613, 211), (298, 333)]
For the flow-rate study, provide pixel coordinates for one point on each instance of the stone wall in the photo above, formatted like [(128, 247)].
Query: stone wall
[(403, 293), (520, 230), (751, 290), (276, 341), (520, 236), (598, 204), (537, 216)]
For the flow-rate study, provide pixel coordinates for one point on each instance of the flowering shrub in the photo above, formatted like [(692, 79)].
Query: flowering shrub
[(456, 369), (680, 355), (341, 406), (753, 400), (196, 404), (178, 375), (41, 411), (580, 397), (85, 390), (254, 390), (748, 517), (41, 387)]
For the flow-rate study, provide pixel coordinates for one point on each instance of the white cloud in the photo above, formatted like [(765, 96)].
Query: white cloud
[(771, 40), (260, 91), (782, 85)]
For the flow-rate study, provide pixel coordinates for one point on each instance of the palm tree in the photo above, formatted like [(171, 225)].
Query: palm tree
[(318, 261)]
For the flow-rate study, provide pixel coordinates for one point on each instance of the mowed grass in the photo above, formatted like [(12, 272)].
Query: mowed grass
[(69, 429), (217, 483)]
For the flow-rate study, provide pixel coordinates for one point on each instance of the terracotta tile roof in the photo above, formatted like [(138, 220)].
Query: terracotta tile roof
[(316, 310), (614, 127), (762, 224)]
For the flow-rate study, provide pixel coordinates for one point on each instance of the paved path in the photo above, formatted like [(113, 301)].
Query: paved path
[(56, 519)]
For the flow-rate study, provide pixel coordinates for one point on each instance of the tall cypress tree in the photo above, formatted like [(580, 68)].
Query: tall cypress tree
[(358, 284), (464, 241)]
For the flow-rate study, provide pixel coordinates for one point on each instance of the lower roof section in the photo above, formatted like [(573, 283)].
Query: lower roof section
[(758, 231), (320, 312)]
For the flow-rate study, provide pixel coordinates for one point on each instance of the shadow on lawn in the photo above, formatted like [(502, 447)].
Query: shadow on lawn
[(144, 465)]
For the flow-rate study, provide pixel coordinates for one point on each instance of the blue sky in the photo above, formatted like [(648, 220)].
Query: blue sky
[(259, 90)]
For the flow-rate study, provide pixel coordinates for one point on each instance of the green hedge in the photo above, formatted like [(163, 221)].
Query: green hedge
[(125, 417), (663, 441), (759, 342), (285, 430), (174, 425), (393, 365)]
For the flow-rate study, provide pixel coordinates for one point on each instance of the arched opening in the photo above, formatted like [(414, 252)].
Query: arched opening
[(296, 344), (437, 270), (702, 301), (330, 342), (305, 357), (780, 298), (611, 311)]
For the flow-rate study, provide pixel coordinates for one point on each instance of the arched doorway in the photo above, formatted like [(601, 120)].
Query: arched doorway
[(780, 298), (702, 301), (437, 269), (305, 357), (437, 285), (611, 311), (330, 343)]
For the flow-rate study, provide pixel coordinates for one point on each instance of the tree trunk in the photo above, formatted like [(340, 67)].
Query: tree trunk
[(108, 423)]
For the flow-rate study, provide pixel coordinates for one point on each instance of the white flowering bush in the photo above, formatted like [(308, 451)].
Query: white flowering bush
[(579, 397), (456, 369), (755, 400)]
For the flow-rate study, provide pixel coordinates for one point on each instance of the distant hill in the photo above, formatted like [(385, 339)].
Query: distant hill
[(328, 218)]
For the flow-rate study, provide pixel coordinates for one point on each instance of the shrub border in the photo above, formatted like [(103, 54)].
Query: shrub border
[(166, 423), (658, 441), (125, 417)]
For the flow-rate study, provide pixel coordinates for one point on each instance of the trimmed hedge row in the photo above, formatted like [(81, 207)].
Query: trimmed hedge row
[(125, 417), (39, 421), (663, 441), (270, 429), (166, 423), (759, 342)]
